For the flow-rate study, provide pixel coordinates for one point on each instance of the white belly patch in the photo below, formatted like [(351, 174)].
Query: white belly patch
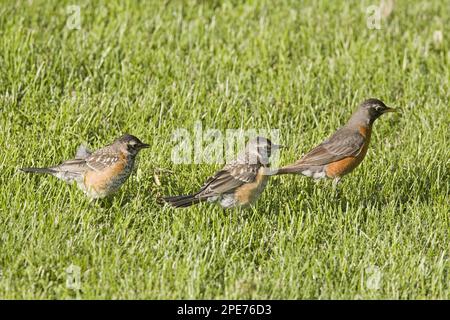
[(228, 201), (307, 173), (314, 174), (319, 175)]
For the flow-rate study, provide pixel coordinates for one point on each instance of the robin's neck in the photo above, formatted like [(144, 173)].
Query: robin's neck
[(251, 158), (363, 125), (360, 119), (360, 123)]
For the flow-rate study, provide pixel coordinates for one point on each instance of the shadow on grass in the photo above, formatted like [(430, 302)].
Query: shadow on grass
[(412, 186), (120, 200), (416, 186)]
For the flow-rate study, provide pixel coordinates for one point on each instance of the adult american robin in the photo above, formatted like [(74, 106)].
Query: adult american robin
[(98, 173), (345, 149), (239, 183)]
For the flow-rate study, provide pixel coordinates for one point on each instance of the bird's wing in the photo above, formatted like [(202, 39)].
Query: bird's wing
[(99, 161), (82, 152), (344, 143), (228, 179), (74, 169), (70, 169)]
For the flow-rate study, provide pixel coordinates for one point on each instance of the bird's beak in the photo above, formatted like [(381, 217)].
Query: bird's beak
[(390, 110), (277, 146), (144, 146)]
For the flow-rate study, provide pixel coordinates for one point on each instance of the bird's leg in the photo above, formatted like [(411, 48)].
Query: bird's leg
[(94, 204), (92, 201), (317, 181), (336, 181), (230, 216)]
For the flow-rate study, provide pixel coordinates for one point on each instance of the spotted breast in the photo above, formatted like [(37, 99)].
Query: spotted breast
[(248, 193), (107, 174)]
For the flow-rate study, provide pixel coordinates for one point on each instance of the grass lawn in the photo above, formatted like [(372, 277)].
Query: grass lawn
[(152, 67)]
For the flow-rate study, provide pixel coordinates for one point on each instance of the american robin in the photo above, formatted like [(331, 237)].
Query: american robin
[(98, 173), (345, 149), (239, 183)]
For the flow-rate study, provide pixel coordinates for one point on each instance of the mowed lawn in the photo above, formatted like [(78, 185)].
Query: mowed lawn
[(152, 67)]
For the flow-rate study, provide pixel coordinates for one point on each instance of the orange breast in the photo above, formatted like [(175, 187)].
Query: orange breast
[(346, 165), (99, 181), (249, 192)]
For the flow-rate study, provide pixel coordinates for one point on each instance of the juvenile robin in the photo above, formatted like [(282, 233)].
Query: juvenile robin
[(345, 149), (239, 183), (98, 173)]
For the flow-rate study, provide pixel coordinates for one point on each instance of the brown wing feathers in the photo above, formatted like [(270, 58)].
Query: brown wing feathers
[(344, 143)]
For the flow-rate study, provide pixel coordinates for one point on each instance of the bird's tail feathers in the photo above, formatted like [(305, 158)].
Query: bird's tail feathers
[(290, 169), (182, 201), (39, 170)]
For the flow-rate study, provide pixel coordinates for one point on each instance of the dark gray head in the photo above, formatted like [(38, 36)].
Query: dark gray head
[(375, 108), (131, 144), (370, 110)]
